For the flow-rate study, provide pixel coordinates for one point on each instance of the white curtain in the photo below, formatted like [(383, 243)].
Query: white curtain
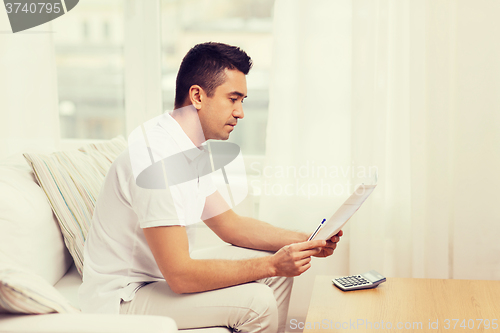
[(29, 118), (411, 88)]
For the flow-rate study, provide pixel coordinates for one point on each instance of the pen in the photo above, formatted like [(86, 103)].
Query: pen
[(317, 229)]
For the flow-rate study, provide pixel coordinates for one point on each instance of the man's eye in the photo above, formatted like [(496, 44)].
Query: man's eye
[(233, 100)]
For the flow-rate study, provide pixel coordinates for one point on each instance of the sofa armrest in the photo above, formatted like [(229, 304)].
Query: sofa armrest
[(86, 323)]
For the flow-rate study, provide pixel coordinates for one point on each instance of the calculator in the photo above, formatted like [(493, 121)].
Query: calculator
[(366, 280)]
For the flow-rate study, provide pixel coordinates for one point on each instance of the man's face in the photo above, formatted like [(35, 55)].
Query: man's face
[(219, 114)]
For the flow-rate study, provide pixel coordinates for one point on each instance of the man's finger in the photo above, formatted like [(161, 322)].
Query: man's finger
[(303, 262), (334, 239), (308, 253), (309, 245), (329, 251), (330, 245)]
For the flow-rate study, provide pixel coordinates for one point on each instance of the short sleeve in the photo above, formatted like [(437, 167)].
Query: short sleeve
[(157, 207), (207, 186)]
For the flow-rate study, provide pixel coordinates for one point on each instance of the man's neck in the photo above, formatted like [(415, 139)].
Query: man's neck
[(187, 117)]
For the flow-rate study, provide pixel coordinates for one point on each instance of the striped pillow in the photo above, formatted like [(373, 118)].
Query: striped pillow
[(72, 181), (24, 292)]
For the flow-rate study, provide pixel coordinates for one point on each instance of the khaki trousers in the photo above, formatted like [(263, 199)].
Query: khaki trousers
[(259, 306)]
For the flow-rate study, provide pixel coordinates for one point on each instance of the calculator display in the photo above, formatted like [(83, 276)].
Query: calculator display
[(369, 276)]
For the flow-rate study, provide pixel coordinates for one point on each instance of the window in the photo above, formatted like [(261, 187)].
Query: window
[(243, 23), (91, 62), (89, 59)]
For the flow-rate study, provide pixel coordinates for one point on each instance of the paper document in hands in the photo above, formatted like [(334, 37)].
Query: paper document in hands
[(344, 213)]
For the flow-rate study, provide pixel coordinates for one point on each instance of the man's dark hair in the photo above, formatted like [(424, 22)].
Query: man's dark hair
[(205, 64)]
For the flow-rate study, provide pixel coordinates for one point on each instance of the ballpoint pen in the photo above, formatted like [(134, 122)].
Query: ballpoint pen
[(317, 229)]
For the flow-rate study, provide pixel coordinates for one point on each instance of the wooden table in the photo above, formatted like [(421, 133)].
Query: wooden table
[(405, 305)]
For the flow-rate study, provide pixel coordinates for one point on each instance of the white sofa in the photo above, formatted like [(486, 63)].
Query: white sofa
[(31, 239)]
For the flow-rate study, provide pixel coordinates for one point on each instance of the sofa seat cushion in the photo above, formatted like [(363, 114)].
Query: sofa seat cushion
[(209, 330), (86, 323), (68, 286)]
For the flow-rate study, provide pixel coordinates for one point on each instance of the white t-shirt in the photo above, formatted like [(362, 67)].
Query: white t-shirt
[(117, 258)]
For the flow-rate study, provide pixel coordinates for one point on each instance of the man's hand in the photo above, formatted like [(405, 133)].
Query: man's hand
[(294, 259), (330, 246)]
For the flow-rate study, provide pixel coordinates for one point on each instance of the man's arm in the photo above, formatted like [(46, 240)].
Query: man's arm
[(170, 249), (251, 233)]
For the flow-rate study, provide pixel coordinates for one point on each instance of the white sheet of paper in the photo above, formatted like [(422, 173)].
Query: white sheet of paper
[(344, 213)]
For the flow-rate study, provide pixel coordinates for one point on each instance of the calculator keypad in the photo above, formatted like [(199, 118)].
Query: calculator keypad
[(361, 281), (351, 281)]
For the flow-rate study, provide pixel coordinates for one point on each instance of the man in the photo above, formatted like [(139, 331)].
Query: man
[(137, 252)]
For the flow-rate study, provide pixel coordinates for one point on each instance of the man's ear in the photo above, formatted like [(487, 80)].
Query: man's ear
[(195, 97)]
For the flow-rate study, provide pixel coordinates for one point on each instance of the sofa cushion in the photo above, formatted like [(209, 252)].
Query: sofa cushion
[(72, 181), (68, 286), (29, 233), (25, 292), (86, 323)]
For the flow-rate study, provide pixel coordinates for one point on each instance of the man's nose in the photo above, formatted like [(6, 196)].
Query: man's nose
[(238, 112)]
